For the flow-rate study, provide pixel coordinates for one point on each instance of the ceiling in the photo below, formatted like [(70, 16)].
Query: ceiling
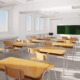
[(4, 3), (74, 7)]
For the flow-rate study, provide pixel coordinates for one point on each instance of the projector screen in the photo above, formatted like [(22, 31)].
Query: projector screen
[(68, 29)]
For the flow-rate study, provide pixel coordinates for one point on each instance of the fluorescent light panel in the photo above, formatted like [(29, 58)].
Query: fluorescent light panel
[(61, 8)]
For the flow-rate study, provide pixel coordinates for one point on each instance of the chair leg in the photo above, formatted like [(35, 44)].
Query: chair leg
[(6, 77), (55, 74)]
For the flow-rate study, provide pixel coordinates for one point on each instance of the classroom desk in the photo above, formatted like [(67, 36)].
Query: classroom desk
[(53, 51), (43, 38), (63, 41), (67, 45), (36, 41), (19, 44), (56, 52), (31, 68), (49, 37)]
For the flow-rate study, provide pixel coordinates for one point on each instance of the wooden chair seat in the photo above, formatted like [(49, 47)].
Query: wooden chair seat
[(39, 56), (2, 50)]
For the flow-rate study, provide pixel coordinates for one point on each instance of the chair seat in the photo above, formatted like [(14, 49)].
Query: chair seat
[(35, 59), (14, 50), (1, 50), (39, 57)]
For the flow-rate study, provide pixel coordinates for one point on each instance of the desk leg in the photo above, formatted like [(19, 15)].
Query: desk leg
[(74, 52), (55, 74), (64, 62)]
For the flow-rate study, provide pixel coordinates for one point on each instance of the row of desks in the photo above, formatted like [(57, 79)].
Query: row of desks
[(31, 68), (55, 43)]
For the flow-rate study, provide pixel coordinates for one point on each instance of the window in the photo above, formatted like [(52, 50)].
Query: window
[(28, 23), (3, 21), (39, 24)]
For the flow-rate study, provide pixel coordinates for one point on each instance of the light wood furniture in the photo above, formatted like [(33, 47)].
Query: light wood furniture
[(2, 50), (8, 44), (18, 40), (33, 37), (56, 52), (39, 56), (14, 47), (67, 45), (31, 51), (28, 41), (44, 38), (36, 41), (66, 41), (53, 51), (48, 44), (74, 39), (17, 74), (30, 68), (19, 44), (48, 36), (65, 37)]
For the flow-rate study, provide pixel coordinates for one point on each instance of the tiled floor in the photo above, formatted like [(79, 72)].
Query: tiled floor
[(71, 73)]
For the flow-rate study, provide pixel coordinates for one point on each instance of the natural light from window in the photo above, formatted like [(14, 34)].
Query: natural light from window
[(28, 23), (3, 21), (39, 24)]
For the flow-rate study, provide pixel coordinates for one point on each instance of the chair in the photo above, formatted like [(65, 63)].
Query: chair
[(14, 73), (2, 52), (48, 44), (68, 41), (65, 38), (39, 56), (31, 51), (29, 42), (74, 39), (33, 37), (8, 44), (18, 40)]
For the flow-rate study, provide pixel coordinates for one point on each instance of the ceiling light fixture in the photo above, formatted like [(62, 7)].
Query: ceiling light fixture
[(61, 8)]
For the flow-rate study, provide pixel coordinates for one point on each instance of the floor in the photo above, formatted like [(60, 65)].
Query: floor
[(71, 73)]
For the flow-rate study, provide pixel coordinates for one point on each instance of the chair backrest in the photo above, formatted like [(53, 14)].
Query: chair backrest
[(40, 56), (28, 41), (31, 50), (14, 73), (48, 44), (34, 37), (18, 40), (74, 39), (68, 41), (65, 37), (8, 43)]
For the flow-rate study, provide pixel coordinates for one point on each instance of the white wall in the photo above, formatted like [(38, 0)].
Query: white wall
[(19, 25), (65, 19), (16, 28), (18, 22)]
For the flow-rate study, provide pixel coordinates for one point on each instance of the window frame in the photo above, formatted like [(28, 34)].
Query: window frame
[(31, 23), (9, 20), (26, 23), (39, 24)]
